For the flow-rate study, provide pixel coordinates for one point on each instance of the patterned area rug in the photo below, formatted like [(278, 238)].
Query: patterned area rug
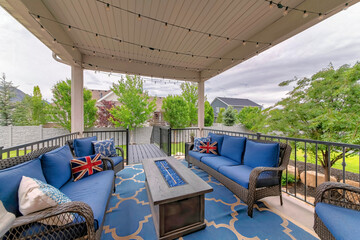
[(129, 214)]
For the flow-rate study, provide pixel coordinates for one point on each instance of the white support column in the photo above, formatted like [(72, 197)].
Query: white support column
[(201, 102), (77, 99)]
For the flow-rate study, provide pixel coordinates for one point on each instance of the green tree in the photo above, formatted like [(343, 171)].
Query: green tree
[(190, 95), (60, 111), (324, 107), (251, 117), (135, 108), (209, 115), (38, 106), (220, 116), (6, 106), (229, 116), (22, 112), (176, 111)]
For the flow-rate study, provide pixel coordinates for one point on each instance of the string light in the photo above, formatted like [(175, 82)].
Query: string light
[(54, 40), (346, 6), (165, 25), (305, 14), (112, 57), (286, 11), (96, 35), (42, 28), (321, 17), (73, 48), (257, 44), (69, 28), (244, 42), (108, 6), (139, 17), (271, 5), (94, 53), (38, 18)]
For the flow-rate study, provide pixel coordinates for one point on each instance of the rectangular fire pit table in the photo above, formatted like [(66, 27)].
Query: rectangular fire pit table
[(176, 197)]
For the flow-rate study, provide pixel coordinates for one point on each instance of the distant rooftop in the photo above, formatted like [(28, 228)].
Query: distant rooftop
[(238, 102)]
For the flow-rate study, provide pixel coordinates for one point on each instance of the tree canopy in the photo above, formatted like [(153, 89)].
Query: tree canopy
[(6, 106), (209, 115), (251, 117), (104, 114), (60, 112), (135, 105), (176, 111), (190, 95), (220, 116), (324, 107), (229, 118)]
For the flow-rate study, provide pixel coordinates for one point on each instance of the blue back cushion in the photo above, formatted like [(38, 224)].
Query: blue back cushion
[(84, 147), (261, 154), (233, 147), (56, 166), (10, 179), (218, 138)]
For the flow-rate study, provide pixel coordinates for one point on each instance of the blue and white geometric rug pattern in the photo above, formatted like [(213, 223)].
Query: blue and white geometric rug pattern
[(129, 215)]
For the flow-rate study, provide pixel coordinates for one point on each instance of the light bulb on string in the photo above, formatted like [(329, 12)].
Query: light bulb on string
[(244, 42), (271, 5), (38, 18), (286, 11), (139, 17), (108, 6), (165, 25), (42, 28), (305, 15), (257, 44), (321, 17), (94, 53), (346, 6), (69, 28), (73, 48), (112, 57), (54, 40)]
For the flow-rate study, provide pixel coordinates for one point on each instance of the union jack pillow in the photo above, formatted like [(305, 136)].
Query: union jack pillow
[(86, 166), (208, 147), (197, 143)]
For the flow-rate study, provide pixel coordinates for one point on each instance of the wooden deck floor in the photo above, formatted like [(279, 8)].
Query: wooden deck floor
[(143, 151)]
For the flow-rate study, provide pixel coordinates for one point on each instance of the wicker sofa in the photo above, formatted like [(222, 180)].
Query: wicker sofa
[(86, 208), (117, 160), (249, 179), (337, 211)]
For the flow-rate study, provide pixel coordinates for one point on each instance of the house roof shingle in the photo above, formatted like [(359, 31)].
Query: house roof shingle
[(238, 102)]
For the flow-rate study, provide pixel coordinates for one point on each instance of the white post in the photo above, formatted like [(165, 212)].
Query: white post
[(201, 102), (77, 99)]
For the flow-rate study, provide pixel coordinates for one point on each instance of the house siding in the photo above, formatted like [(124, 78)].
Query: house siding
[(217, 104)]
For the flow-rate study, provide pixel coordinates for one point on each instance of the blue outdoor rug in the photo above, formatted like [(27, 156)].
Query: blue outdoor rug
[(129, 214)]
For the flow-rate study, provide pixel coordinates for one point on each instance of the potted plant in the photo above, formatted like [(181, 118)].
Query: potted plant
[(192, 137)]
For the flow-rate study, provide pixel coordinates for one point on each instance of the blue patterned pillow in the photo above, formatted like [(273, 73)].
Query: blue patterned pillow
[(106, 148), (197, 143)]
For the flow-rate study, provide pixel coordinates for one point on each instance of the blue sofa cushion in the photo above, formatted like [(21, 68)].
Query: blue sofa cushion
[(84, 147), (94, 191), (106, 147), (233, 147), (261, 154), (343, 223), (218, 138), (10, 179), (56, 166), (116, 160), (217, 162), (197, 143), (199, 155), (241, 173)]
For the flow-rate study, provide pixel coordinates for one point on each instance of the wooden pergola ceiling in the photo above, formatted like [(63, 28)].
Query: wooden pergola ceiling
[(186, 40)]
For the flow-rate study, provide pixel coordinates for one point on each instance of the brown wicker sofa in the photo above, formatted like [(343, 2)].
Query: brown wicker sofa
[(337, 211), (83, 224), (269, 184)]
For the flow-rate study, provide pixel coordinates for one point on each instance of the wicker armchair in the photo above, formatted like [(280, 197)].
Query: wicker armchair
[(29, 227), (336, 194), (253, 193), (119, 151)]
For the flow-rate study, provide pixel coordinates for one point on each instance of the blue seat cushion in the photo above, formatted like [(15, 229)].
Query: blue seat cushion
[(217, 162), (261, 154), (10, 179), (84, 147), (241, 173), (343, 223), (199, 155), (56, 166), (93, 190), (116, 160), (218, 138), (233, 147)]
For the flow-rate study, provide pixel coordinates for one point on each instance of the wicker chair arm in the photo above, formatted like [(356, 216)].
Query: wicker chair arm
[(255, 173), (323, 188), (105, 160), (191, 146), (121, 150), (82, 209)]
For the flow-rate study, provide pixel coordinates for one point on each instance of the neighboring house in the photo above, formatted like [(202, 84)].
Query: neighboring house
[(236, 103), (157, 119), (97, 94)]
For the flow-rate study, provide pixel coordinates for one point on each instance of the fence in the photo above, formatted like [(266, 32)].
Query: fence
[(308, 162), (161, 137), (29, 147)]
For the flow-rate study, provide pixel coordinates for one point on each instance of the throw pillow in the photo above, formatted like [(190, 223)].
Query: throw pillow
[(35, 195), (197, 143), (105, 148), (208, 147), (86, 166), (261, 154), (83, 146)]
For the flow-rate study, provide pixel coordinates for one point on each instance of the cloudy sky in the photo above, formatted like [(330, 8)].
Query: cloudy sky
[(27, 62)]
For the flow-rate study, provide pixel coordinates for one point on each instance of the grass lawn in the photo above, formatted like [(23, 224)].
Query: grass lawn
[(13, 154)]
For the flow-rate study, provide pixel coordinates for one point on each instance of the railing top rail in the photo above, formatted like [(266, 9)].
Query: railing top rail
[(105, 130), (38, 142), (336, 144), (189, 128)]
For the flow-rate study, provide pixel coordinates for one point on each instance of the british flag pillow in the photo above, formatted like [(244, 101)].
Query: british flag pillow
[(197, 143), (209, 147), (86, 166)]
